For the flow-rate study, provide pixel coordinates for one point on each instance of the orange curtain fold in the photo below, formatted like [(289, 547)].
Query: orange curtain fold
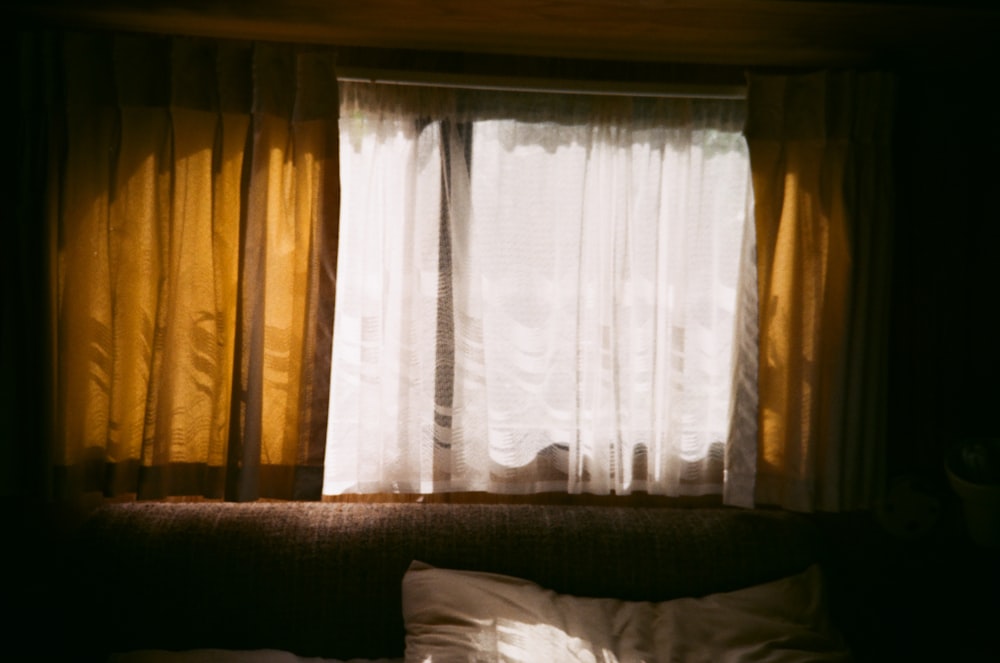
[(820, 160), (195, 202)]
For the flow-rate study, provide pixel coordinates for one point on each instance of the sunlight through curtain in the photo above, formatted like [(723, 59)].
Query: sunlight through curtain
[(195, 210), (820, 155), (537, 293)]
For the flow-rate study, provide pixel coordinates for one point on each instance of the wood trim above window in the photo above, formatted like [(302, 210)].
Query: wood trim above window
[(801, 33)]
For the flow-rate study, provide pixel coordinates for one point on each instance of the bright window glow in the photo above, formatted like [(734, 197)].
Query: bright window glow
[(535, 293)]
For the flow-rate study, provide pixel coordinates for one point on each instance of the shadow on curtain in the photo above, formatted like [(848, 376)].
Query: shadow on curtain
[(194, 214), (820, 159)]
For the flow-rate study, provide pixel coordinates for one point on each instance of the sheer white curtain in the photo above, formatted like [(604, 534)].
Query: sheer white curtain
[(537, 292)]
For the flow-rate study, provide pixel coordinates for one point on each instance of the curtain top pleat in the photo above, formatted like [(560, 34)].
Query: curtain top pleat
[(194, 78), (317, 86), (89, 71), (143, 70), (235, 79), (231, 76), (274, 78), (819, 106)]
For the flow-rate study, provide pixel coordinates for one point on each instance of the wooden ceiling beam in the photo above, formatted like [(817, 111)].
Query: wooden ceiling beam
[(733, 32)]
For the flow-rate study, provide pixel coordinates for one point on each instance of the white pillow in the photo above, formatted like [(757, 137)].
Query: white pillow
[(470, 616)]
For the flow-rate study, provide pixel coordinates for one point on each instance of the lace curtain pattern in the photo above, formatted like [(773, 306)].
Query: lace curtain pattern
[(538, 293)]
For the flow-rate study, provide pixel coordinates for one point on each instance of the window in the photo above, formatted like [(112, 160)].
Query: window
[(536, 292), (192, 235)]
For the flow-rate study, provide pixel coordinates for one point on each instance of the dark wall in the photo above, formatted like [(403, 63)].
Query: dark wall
[(24, 368), (907, 579), (944, 381)]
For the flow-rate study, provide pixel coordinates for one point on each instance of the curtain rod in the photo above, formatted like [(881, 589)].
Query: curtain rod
[(524, 84)]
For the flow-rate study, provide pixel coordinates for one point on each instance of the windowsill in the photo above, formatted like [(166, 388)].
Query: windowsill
[(634, 500)]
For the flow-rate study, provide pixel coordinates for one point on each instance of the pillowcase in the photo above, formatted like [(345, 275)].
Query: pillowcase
[(472, 616)]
